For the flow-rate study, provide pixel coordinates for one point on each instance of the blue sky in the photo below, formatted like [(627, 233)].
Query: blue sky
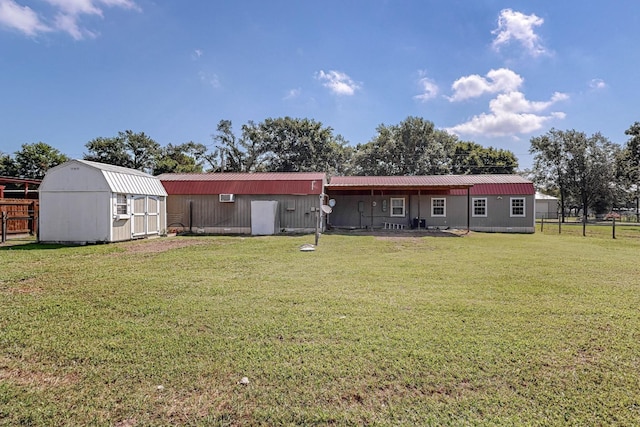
[(494, 72)]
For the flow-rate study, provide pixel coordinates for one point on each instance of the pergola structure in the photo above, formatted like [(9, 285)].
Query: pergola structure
[(17, 181)]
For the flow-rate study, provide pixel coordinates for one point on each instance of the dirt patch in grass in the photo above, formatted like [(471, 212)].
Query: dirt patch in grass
[(129, 422), (402, 234), (35, 379), (24, 286), (160, 244), (415, 235)]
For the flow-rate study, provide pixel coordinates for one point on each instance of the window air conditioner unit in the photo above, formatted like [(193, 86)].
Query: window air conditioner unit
[(227, 198)]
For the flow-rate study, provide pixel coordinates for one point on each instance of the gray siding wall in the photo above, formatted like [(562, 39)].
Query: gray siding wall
[(297, 213), (547, 209), (358, 211)]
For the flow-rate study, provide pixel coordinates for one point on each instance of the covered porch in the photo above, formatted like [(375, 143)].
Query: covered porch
[(398, 203)]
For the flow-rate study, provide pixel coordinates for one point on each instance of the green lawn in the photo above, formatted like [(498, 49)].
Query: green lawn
[(484, 329)]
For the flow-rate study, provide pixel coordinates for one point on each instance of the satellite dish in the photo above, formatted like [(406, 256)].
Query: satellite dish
[(332, 202), (326, 209)]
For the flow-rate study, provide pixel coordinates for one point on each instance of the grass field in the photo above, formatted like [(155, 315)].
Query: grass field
[(485, 329)]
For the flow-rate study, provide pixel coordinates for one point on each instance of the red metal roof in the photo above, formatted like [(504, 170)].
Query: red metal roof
[(11, 180), (497, 189), (456, 184), (244, 183)]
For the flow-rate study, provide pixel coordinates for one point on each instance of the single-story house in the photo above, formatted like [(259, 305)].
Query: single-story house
[(546, 206), (491, 203), (244, 203), (90, 202)]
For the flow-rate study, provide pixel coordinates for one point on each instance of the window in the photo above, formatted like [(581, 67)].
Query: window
[(438, 207), (479, 207), (121, 204), (517, 206), (291, 205), (397, 207)]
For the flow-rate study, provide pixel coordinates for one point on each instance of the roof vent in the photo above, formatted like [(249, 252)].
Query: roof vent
[(227, 198)]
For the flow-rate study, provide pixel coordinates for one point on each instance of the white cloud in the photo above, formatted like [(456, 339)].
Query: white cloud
[(496, 81), (66, 18), (21, 18), (519, 27), (197, 54), (209, 79), (339, 83), (428, 88), (69, 24), (511, 114), (292, 94), (597, 84), (516, 102), (90, 7)]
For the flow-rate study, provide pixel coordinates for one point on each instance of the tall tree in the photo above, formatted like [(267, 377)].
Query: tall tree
[(297, 145), (412, 147), (550, 163), (279, 145), (128, 149), (7, 165), (581, 167), (628, 165), (472, 158), (591, 169), (111, 151), (231, 154), (253, 147), (33, 160), (143, 149), (182, 158)]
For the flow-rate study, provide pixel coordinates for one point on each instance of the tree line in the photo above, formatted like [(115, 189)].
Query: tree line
[(588, 173), (412, 147), (585, 172)]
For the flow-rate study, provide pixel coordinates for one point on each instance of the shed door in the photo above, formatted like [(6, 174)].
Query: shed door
[(153, 215), (139, 216)]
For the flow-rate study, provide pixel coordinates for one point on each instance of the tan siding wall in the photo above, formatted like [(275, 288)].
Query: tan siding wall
[(121, 230), (163, 214), (152, 209)]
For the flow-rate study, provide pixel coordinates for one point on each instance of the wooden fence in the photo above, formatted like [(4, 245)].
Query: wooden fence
[(18, 216)]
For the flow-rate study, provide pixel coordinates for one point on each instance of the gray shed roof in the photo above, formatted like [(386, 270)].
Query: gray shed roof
[(119, 179), (540, 196), (128, 181)]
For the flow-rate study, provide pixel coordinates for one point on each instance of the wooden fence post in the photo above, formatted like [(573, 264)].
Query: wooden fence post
[(4, 226)]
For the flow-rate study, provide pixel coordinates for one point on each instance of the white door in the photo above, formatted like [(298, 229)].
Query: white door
[(264, 216), (139, 216)]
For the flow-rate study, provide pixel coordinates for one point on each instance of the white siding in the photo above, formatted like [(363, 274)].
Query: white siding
[(77, 202), (75, 217)]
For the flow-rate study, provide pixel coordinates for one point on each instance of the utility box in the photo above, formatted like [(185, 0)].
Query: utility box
[(419, 222)]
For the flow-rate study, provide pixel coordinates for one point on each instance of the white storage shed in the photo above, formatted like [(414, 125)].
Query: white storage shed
[(90, 202), (546, 206)]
